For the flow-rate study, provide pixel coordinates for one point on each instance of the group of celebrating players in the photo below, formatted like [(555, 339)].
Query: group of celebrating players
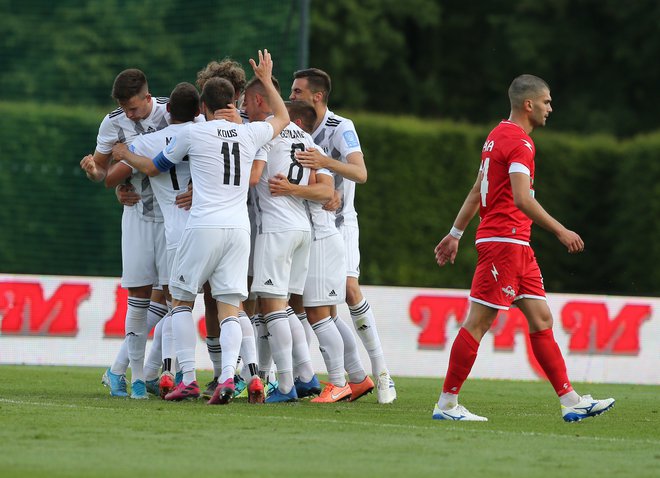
[(237, 194)]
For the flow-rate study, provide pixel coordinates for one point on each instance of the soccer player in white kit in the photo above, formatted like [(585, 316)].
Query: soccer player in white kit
[(183, 108), (338, 138), (142, 226), (326, 278), (216, 243), (281, 254)]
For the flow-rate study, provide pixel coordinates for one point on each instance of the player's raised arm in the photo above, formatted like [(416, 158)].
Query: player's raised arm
[(264, 71)]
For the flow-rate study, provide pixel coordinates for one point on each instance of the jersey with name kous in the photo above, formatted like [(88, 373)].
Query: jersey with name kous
[(220, 155), (508, 149), (167, 186), (283, 213), (338, 138), (117, 128)]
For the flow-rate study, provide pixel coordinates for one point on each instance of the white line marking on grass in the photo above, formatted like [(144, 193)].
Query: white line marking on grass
[(439, 426)]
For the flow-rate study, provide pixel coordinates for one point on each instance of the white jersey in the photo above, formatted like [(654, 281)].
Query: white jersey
[(284, 213), (221, 155), (338, 138), (117, 128), (323, 222), (167, 186)]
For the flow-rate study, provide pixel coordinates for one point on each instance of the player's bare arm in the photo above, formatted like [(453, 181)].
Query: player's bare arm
[(143, 164), (230, 113), (354, 169), (321, 191), (184, 200), (533, 209), (264, 71), (256, 171), (126, 195), (118, 173), (334, 203), (447, 248), (95, 166)]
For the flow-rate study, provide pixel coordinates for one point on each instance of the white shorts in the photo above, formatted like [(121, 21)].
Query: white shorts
[(280, 263), (351, 236), (219, 256), (326, 277), (143, 252)]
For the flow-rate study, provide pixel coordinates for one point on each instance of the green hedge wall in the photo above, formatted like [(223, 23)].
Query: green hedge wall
[(54, 221)]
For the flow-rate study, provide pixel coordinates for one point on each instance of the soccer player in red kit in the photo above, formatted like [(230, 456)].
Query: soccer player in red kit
[(507, 270)]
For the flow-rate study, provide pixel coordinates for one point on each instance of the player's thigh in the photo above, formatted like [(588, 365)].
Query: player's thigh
[(300, 263), (326, 276), (351, 235), (137, 251), (273, 256), (497, 275), (196, 258), (229, 276), (160, 253)]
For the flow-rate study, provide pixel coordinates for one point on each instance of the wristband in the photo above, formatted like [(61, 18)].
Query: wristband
[(455, 232)]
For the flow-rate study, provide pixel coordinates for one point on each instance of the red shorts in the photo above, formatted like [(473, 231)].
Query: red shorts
[(505, 273)]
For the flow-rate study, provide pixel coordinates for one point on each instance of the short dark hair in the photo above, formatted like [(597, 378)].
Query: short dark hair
[(257, 83), (128, 84), (217, 93), (228, 69), (303, 111), (184, 102), (524, 87), (317, 79)]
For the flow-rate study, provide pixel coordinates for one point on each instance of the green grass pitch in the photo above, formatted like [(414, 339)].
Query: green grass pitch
[(60, 422)]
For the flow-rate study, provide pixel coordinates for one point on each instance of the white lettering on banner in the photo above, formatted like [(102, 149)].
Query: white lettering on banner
[(80, 321)]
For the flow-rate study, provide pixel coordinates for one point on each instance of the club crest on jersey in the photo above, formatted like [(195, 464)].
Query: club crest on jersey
[(351, 139)]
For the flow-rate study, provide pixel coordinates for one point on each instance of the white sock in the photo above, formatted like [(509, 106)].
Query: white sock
[(332, 349), (185, 339), (136, 335), (447, 401), (154, 321), (263, 346), (120, 365), (168, 349), (215, 354), (352, 362), (281, 347), (230, 341), (154, 357), (365, 325), (248, 346), (302, 360), (570, 399), (309, 333)]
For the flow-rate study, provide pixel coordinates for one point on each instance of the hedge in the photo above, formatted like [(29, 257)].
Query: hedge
[(56, 222)]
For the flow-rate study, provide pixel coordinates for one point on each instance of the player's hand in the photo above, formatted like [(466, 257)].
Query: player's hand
[(264, 69), (571, 240), (312, 158), (88, 165), (334, 203), (184, 200), (230, 113), (279, 185), (446, 250), (126, 195), (119, 151)]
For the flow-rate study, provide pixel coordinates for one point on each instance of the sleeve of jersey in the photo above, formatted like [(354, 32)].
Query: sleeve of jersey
[(262, 132), (346, 140), (107, 136), (262, 154), (521, 159)]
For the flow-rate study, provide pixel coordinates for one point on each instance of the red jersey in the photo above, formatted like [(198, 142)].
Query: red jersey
[(507, 149)]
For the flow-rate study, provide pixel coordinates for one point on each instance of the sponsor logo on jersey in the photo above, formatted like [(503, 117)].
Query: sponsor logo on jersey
[(268, 282), (508, 290), (181, 279), (332, 293), (351, 139), (527, 144)]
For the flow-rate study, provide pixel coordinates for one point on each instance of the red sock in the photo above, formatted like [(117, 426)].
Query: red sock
[(462, 357), (551, 360)]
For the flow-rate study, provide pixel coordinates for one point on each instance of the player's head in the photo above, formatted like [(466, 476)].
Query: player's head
[(530, 96), (217, 94), (131, 91), (303, 114), (254, 102), (184, 103), (229, 70), (312, 85)]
